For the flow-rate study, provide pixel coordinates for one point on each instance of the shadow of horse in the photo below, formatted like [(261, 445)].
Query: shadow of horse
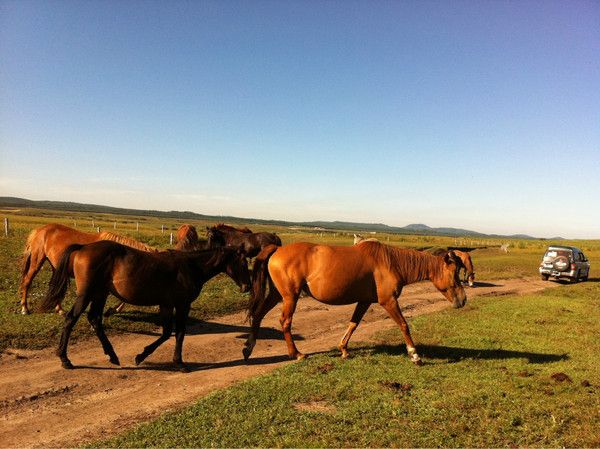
[(485, 284), (456, 354), (192, 366), (196, 326)]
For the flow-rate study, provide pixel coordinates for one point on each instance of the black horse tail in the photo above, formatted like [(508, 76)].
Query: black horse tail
[(260, 274), (59, 281)]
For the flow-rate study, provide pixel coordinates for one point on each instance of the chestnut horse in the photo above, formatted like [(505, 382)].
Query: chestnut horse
[(465, 257), (49, 242), (187, 239), (364, 274), (171, 279), (251, 243)]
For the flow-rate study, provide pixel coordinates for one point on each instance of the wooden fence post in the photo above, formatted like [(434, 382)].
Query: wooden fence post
[(6, 227), (171, 239)]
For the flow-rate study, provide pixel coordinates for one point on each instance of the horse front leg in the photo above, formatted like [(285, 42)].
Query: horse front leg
[(357, 316), (289, 307), (71, 318), (181, 316), (166, 313), (391, 306)]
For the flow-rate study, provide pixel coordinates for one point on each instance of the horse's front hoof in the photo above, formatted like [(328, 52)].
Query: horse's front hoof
[(115, 360), (299, 356), (183, 368), (25, 311), (418, 362), (66, 364), (246, 352), (139, 359)]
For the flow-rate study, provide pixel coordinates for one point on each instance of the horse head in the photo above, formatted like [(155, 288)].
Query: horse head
[(448, 280), (236, 267)]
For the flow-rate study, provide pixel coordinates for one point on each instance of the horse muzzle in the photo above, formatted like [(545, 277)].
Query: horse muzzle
[(459, 300)]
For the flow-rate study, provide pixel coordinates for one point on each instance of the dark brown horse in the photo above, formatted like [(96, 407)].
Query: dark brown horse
[(49, 242), (251, 243), (171, 279), (364, 274), (187, 240), (465, 257)]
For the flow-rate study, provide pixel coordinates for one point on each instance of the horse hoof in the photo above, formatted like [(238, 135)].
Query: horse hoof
[(66, 364), (246, 352), (300, 356), (418, 362), (115, 361), (138, 359)]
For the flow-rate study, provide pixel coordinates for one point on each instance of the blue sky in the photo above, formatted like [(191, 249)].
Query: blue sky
[(476, 114)]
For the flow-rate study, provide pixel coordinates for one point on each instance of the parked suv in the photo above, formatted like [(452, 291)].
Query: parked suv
[(566, 262)]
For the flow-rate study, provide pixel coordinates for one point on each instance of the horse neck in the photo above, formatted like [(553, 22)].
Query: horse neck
[(207, 264), (414, 266)]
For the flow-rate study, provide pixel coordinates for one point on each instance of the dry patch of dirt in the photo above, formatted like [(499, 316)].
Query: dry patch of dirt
[(43, 405)]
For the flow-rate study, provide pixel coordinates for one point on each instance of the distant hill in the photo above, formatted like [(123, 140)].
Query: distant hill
[(420, 229)]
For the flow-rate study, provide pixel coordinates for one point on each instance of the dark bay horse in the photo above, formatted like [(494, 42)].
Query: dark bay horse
[(171, 279), (48, 242), (251, 243), (465, 257), (364, 274)]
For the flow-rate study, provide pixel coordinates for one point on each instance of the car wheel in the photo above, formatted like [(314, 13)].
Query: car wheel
[(561, 263), (575, 280), (544, 277)]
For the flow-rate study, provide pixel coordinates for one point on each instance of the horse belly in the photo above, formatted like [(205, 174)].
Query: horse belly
[(342, 291)]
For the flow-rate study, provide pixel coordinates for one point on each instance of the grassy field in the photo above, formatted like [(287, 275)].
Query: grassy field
[(509, 372), (220, 295)]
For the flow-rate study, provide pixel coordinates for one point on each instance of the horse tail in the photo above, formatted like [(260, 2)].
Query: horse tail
[(260, 274), (59, 280)]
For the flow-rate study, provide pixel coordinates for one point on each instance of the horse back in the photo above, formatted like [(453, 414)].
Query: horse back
[(332, 274)]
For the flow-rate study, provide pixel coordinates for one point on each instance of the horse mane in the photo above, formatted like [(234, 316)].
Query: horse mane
[(227, 228), (127, 241), (408, 264)]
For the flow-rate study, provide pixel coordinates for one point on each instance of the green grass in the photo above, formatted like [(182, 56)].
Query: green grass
[(487, 382)]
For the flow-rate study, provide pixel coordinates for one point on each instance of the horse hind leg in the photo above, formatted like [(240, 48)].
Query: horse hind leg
[(33, 264), (95, 319), (357, 316), (289, 307), (71, 318), (271, 302)]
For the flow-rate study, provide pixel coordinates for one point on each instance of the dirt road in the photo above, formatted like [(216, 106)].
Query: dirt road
[(42, 404)]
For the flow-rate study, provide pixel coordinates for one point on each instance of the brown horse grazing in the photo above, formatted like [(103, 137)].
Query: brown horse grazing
[(465, 257), (49, 242), (171, 279), (251, 243), (364, 274)]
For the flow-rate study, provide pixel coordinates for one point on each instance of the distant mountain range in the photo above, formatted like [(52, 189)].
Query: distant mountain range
[(420, 229)]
